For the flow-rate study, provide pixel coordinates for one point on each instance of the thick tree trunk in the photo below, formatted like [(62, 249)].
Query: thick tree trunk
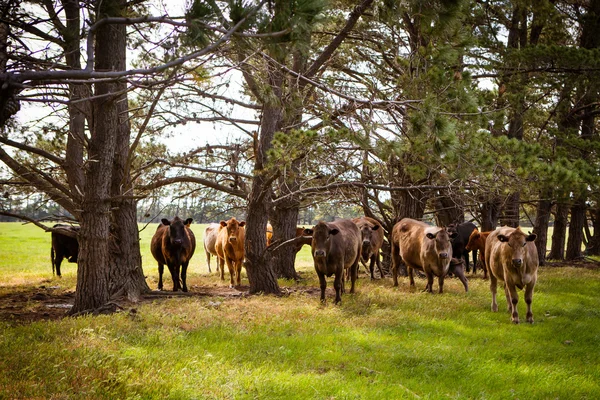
[(557, 251), (93, 274), (510, 211), (490, 210), (448, 211), (284, 221), (578, 220), (540, 227), (593, 246)]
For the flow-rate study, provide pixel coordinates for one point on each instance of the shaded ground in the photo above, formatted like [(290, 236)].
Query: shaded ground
[(30, 304)]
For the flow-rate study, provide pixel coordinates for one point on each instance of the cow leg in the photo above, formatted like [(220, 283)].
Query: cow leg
[(429, 275), (494, 288), (378, 262), (208, 261), (372, 267), (338, 284), (466, 258), (174, 269), (323, 285), (231, 271), (221, 263), (440, 284), (508, 299), (395, 263), (238, 272), (411, 278), (474, 254), (354, 275), (514, 297), (529, 300), (184, 267), (460, 273), (161, 269), (59, 258)]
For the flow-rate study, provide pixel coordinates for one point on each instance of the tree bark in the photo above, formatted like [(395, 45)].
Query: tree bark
[(490, 210), (557, 251), (448, 210), (284, 220), (578, 220), (540, 227), (593, 246)]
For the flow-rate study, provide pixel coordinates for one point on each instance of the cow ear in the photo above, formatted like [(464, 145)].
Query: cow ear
[(189, 221), (334, 231), (223, 223), (375, 227), (308, 232), (503, 238), (165, 221), (242, 223), (430, 236), (531, 237), (476, 236)]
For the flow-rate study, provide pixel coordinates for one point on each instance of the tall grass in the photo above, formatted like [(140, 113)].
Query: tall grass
[(381, 343)]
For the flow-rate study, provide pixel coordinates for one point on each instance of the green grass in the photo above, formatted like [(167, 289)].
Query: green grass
[(381, 343)]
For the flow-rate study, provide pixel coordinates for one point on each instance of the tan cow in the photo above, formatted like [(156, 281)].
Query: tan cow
[(230, 249), (335, 248), (477, 242), (511, 257), (422, 247), (210, 241), (372, 240)]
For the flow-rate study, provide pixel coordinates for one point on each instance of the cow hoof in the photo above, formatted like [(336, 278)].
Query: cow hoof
[(515, 321)]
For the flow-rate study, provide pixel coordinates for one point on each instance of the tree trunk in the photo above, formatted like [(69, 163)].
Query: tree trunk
[(510, 211), (540, 227), (448, 211), (593, 246), (578, 220), (284, 220), (490, 210), (93, 274), (557, 251)]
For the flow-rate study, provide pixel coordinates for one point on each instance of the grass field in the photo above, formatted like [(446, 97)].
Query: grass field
[(381, 343)]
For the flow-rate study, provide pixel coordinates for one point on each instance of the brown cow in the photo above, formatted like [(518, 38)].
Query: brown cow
[(335, 248), (372, 240), (230, 248), (173, 244), (210, 240), (63, 246), (512, 258), (477, 242), (425, 248)]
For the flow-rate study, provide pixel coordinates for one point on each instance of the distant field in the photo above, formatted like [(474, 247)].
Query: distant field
[(380, 343)]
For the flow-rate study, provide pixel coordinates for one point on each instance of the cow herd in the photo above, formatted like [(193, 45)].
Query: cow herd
[(506, 254)]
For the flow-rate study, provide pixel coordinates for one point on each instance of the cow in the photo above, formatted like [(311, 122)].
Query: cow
[(210, 239), (426, 248), (230, 248), (173, 244), (372, 240), (463, 232), (335, 247), (511, 257), (477, 243), (63, 246)]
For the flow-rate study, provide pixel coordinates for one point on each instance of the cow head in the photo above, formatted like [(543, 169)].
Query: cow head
[(321, 236), (441, 241), (517, 240), (233, 229), (176, 232), (475, 235), (366, 232)]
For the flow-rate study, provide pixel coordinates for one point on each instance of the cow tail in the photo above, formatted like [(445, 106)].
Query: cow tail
[(52, 258)]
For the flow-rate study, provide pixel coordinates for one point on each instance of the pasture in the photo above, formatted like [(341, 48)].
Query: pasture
[(381, 343)]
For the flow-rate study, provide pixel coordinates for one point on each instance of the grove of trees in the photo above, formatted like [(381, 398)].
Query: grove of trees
[(444, 110)]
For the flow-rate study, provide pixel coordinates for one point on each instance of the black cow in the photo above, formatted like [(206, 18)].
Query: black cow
[(463, 232), (173, 244), (63, 246)]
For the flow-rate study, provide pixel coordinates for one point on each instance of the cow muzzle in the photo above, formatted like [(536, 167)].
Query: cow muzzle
[(177, 241), (444, 255), (233, 239), (517, 263), (320, 253)]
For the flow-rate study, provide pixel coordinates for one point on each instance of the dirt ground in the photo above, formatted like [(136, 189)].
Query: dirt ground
[(38, 303)]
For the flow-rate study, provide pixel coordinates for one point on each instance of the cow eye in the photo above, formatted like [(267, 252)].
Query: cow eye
[(524, 244)]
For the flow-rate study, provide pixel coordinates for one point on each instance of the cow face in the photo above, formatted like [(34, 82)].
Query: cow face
[(516, 242), (366, 232), (473, 239), (176, 231), (321, 235), (441, 241), (233, 229)]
